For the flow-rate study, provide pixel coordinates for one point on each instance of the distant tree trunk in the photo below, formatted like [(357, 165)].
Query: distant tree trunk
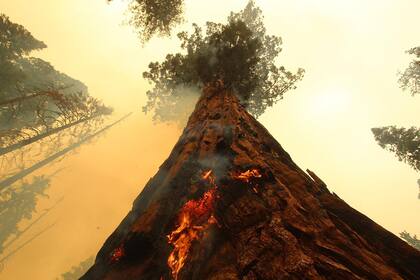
[(2, 260), (38, 137), (22, 98), (7, 182), (28, 227)]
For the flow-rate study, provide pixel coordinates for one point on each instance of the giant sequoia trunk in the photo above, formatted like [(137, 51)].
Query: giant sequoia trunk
[(229, 203)]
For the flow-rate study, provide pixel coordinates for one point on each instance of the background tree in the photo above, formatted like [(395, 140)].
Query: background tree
[(410, 78), (15, 42), (405, 143), (412, 240), (238, 53), (36, 100), (56, 155), (21, 74), (41, 110), (20, 158), (17, 204), (19, 130), (77, 271), (155, 17)]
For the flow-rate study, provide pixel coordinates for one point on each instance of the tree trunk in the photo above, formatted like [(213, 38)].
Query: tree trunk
[(28, 227), (41, 136), (9, 181), (20, 247), (229, 203), (23, 98)]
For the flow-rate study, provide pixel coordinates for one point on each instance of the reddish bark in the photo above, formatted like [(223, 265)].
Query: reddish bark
[(271, 219)]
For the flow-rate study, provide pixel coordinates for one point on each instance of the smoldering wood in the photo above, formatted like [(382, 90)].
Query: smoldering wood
[(283, 225)]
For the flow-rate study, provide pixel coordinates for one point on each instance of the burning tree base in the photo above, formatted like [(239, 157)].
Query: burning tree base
[(229, 203)]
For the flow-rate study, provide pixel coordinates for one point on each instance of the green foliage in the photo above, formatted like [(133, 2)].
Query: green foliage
[(77, 271), (41, 75), (155, 17), (412, 240), (17, 204), (405, 143), (418, 183), (239, 53), (410, 79), (34, 96), (20, 73), (15, 42), (38, 76)]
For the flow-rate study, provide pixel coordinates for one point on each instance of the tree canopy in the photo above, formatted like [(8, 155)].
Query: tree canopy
[(155, 17), (15, 42), (239, 53), (77, 271), (412, 240), (410, 78), (404, 142), (34, 96)]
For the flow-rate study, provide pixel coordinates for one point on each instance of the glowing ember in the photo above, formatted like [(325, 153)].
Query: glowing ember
[(117, 254), (248, 175), (193, 219), (208, 176)]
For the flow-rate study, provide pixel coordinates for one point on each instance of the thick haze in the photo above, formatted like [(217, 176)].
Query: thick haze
[(351, 51)]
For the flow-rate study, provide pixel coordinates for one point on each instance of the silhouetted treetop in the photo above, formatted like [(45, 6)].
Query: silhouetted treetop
[(35, 98), (15, 40), (20, 73), (239, 53), (405, 143), (412, 240), (155, 17), (410, 79), (77, 271)]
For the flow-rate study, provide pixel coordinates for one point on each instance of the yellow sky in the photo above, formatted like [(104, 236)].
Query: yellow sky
[(351, 51)]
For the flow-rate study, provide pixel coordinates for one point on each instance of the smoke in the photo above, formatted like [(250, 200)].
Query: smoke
[(178, 105), (219, 164)]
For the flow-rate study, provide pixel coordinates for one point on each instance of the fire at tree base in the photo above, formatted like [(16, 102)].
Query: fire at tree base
[(229, 203)]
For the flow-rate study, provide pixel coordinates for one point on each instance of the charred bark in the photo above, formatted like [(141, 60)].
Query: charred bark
[(229, 203)]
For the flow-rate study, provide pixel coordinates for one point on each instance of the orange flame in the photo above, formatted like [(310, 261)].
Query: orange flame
[(117, 254), (194, 217), (248, 175), (208, 176)]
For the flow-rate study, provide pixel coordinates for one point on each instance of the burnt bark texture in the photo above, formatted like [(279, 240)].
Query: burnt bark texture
[(280, 223)]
